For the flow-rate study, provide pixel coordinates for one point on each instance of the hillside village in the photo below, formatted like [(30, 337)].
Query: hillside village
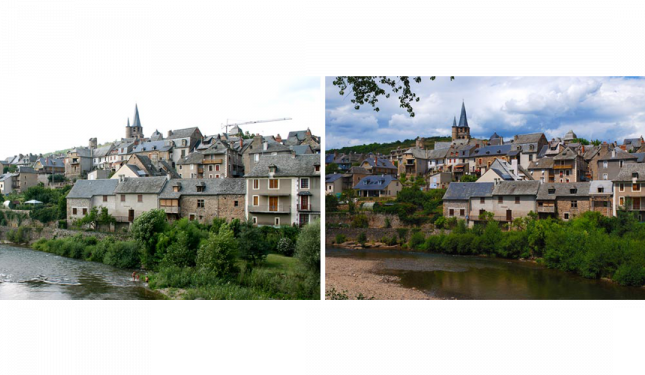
[(502, 179), (267, 180)]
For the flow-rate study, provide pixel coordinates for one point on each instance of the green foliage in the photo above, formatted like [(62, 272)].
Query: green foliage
[(331, 203), (57, 178), (413, 206), (416, 240), (362, 238), (581, 141), (630, 274), (402, 233), (252, 246), (468, 178), (341, 238), (331, 168), (286, 246), (359, 221), (308, 248), (146, 230), (20, 235), (219, 253)]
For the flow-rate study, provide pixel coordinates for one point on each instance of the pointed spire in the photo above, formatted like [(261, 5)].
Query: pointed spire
[(454, 122), (136, 122), (463, 121), (128, 123)]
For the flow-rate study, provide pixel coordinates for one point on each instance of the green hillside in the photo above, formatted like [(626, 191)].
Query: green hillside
[(385, 148)]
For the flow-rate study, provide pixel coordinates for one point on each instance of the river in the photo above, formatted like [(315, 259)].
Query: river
[(469, 277), (27, 274)]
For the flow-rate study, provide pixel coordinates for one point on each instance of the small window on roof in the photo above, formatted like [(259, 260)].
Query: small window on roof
[(574, 191), (601, 189), (551, 191), (635, 175)]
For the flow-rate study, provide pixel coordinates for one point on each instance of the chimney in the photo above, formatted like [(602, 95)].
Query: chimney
[(278, 138), (241, 142), (613, 153), (265, 146), (121, 178), (169, 133)]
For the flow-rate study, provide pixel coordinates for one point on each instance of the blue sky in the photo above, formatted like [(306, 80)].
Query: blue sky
[(605, 108), (62, 112)]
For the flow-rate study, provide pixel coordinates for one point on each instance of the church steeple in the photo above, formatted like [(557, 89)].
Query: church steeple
[(463, 121), (137, 122), (454, 122)]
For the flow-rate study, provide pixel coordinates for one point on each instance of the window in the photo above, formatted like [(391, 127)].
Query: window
[(139, 198), (462, 212), (255, 220), (74, 211), (317, 167), (236, 203), (621, 201), (85, 211), (605, 164), (451, 212), (217, 168), (566, 216), (200, 189), (257, 159), (200, 203), (635, 175), (210, 168), (273, 183), (605, 176), (620, 163), (256, 200), (517, 200), (256, 184), (277, 221), (601, 189), (636, 187), (304, 183), (122, 197), (621, 187), (105, 198), (500, 200), (574, 204), (482, 200)]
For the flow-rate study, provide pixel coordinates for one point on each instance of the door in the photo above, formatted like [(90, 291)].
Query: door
[(273, 203), (304, 202), (131, 215), (636, 203), (509, 215)]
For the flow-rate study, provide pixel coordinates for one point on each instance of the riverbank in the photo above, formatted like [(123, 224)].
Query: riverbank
[(355, 277)]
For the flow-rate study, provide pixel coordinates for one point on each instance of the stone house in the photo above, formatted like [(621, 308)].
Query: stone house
[(542, 169), (86, 194), (502, 170), (376, 165), (601, 195), (78, 162), (120, 153), (414, 162), (483, 157), (610, 165), (22, 179), (563, 200), (203, 200), (384, 185), (528, 146), (334, 184), (356, 174), (284, 190), (569, 166), (155, 151), (629, 189), (514, 199), (182, 141), (135, 196), (439, 180), (436, 159), (50, 166), (6, 183), (459, 195)]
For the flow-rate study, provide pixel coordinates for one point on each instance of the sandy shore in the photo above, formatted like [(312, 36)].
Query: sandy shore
[(353, 276)]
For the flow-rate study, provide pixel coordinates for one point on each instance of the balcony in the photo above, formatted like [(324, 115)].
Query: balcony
[(563, 166), (213, 161), (269, 209), (171, 210), (546, 209), (122, 219), (304, 207)]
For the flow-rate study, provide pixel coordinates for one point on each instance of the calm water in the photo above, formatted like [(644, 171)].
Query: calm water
[(466, 277), (30, 274)]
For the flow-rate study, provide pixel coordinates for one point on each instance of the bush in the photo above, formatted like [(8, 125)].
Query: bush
[(416, 240), (630, 274), (123, 254), (252, 246), (308, 248), (286, 247), (341, 238), (359, 221), (362, 238), (403, 233), (218, 254)]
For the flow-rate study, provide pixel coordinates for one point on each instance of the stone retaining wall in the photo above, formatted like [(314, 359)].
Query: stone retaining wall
[(36, 233), (372, 234)]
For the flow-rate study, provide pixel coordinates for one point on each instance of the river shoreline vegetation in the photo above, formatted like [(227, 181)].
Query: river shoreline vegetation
[(591, 245), (221, 260)]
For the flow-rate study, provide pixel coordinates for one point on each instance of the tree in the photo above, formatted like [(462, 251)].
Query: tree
[(367, 89), (582, 141), (331, 168), (219, 253), (308, 248), (468, 178), (252, 245), (331, 203), (145, 230)]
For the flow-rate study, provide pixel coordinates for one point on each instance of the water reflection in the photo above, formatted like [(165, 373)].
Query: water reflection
[(464, 277)]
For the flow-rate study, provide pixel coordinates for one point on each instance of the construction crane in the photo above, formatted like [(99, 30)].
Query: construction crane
[(226, 126)]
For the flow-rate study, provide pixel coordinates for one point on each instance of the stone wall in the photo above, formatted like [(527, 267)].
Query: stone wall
[(36, 233), (372, 234), (375, 220), (214, 206), (457, 206), (563, 205)]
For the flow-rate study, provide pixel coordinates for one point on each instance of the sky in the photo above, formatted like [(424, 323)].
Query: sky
[(605, 108), (41, 114)]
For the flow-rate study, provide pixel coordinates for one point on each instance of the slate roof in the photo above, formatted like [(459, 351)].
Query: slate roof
[(302, 149), (143, 185), (166, 167), (463, 121), (544, 163), (329, 158), (271, 147), (566, 154), (287, 165), (466, 190), (182, 133), (82, 151), (628, 169), (606, 184), (333, 177), (503, 170), (417, 153), (51, 162), (358, 170), (570, 135), (375, 182), (569, 189), (438, 154), (382, 163), (442, 145), (89, 188), (24, 169), (212, 186), (517, 188), (491, 150), (527, 138), (640, 156), (192, 158), (136, 122), (152, 146), (620, 155), (543, 151)]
